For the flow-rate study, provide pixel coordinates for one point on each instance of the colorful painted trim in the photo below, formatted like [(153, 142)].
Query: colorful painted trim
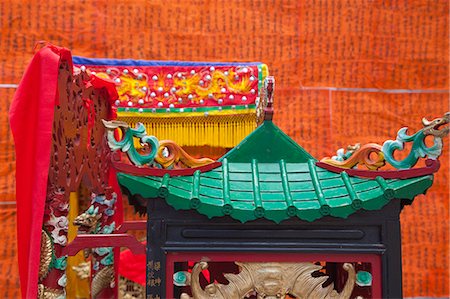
[(183, 112), (147, 85), (79, 60), (431, 167)]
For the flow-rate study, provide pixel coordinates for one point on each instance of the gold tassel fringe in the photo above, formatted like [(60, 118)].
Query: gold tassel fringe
[(224, 131)]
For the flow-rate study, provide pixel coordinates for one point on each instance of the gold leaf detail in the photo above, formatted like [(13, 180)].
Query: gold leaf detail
[(171, 154), (362, 156), (46, 255), (49, 293), (102, 280)]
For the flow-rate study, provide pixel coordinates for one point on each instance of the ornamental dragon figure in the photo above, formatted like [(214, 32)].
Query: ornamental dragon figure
[(89, 220), (419, 148), (162, 153), (374, 156)]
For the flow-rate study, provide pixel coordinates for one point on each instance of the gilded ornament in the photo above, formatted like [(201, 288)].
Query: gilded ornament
[(177, 157), (271, 281), (267, 99), (103, 279), (369, 155), (49, 293), (130, 290), (46, 255), (82, 270)]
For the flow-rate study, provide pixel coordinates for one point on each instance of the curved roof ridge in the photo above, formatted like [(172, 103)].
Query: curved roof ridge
[(268, 144)]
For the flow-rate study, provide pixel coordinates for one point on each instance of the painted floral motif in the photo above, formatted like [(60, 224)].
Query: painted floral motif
[(101, 251), (109, 203)]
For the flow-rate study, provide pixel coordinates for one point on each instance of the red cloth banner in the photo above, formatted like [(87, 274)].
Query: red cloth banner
[(31, 119)]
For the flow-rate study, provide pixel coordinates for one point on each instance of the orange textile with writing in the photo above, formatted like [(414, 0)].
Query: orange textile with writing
[(346, 72)]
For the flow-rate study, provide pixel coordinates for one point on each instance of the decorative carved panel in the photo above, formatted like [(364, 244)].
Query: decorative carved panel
[(80, 155)]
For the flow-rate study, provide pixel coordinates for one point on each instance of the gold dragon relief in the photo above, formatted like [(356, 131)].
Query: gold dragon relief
[(271, 281)]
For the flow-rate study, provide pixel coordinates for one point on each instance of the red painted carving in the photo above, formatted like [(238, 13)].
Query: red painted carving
[(431, 167), (108, 240), (80, 154), (140, 171)]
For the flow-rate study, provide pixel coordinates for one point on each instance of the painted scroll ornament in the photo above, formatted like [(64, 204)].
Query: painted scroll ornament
[(358, 155), (162, 153), (126, 145)]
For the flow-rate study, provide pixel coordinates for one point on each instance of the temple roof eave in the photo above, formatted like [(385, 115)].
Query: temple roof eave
[(336, 195)]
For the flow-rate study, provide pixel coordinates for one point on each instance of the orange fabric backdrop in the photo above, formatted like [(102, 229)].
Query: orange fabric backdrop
[(308, 45)]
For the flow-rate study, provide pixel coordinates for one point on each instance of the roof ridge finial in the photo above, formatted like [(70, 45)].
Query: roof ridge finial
[(269, 88)]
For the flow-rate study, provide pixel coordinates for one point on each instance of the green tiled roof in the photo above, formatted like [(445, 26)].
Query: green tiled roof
[(269, 176), (275, 191)]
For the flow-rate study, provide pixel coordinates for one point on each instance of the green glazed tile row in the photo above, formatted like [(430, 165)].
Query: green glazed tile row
[(274, 204)]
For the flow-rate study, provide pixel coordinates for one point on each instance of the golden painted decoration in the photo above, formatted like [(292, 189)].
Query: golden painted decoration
[(88, 221), (368, 155), (171, 155), (82, 270), (433, 127), (48, 293), (46, 255), (103, 279), (271, 281), (130, 290)]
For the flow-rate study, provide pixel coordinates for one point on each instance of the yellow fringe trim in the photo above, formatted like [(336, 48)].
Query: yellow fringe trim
[(150, 115), (224, 131)]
